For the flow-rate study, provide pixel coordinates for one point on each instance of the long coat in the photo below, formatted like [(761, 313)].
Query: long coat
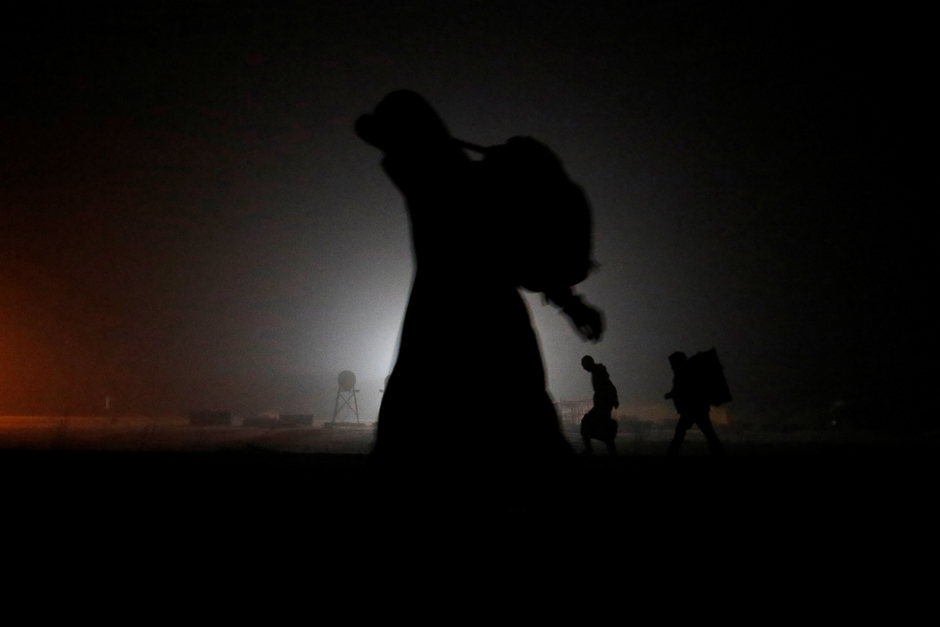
[(469, 382)]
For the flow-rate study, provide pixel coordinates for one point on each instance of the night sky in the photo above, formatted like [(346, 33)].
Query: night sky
[(187, 219)]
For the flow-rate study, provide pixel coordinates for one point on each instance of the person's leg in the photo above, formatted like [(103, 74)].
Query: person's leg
[(611, 448), (588, 450), (681, 428), (706, 426)]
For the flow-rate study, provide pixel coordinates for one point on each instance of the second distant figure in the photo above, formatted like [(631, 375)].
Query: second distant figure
[(597, 423)]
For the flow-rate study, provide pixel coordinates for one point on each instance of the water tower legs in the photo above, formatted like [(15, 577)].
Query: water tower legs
[(345, 396)]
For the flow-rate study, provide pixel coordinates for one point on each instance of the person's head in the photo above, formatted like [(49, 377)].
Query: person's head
[(677, 360), (587, 362), (404, 122)]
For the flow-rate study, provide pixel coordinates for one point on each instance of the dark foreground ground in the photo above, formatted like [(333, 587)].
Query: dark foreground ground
[(279, 495), (285, 493), (166, 531)]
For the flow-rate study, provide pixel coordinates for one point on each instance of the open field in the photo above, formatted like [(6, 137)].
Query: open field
[(138, 434), (151, 477), (175, 434)]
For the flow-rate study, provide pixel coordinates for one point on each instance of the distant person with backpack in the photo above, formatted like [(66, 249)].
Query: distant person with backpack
[(697, 384), (597, 423), (480, 229)]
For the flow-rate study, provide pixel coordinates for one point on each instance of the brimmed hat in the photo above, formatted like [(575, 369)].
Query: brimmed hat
[(402, 119)]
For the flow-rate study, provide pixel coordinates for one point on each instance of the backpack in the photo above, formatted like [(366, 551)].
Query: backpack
[(544, 217), (709, 377)]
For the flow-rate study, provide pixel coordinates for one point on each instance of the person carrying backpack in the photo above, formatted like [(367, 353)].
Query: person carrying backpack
[(694, 389), (597, 423)]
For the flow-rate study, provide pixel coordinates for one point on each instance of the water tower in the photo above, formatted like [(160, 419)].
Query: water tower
[(345, 393)]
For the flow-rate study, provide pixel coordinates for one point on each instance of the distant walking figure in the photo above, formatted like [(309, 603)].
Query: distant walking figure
[(690, 395), (597, 423), (468, 359)]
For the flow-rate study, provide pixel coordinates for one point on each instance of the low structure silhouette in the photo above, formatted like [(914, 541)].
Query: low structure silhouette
[(597, 423)]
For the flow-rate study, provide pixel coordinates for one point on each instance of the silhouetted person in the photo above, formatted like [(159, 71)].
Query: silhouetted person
[(597, 423), (468, 360), (691, 401)]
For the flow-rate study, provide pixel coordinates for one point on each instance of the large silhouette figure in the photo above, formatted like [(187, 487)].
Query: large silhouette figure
[(597, 423), (690, 394), (468, 386)]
